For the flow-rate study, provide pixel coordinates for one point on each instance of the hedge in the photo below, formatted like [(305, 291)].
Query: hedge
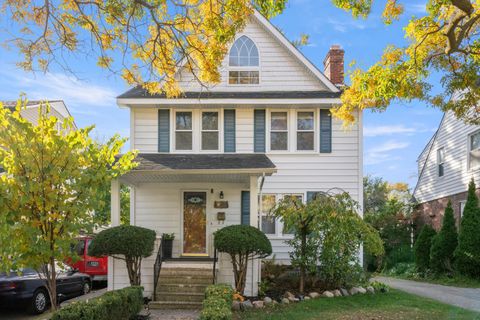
[(218, 303), (123, 304)]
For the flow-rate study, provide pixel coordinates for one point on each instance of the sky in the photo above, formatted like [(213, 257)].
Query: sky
[(392, 139)]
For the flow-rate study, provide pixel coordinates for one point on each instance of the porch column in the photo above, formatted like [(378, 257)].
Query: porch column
[(255, 264), (114, 221)]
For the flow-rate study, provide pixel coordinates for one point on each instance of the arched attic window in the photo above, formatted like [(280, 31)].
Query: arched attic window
[(243, 62)]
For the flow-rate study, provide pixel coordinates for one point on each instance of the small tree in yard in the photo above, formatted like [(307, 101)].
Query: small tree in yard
[(50, 187), (128, 243), (422, 248), (444, 243), (328, 232), (467, 254), (243, 243)]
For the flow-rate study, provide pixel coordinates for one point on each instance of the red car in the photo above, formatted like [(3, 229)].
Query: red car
[(96, 268)]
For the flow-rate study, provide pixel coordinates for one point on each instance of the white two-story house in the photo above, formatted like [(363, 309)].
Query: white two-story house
[(224, 155), (445, 167)]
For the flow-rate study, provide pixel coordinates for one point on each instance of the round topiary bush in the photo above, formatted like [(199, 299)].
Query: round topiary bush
[(242, 243), (128, 243)]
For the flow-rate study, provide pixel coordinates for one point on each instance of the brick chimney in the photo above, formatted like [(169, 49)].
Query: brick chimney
[(333, 65)]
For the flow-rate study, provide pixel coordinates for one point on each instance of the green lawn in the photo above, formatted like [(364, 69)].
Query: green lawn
[(456, 281), (393, 305)]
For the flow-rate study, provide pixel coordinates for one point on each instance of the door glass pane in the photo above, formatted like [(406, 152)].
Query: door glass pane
[(210, 120), (194, 223), (278, 121), (183, 121), (278, 141), (304, 140), (209, 140), (183, 140), (305, 121)]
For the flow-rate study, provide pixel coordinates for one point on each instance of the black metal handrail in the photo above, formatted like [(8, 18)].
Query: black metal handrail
[(157, 267), (215, 258)]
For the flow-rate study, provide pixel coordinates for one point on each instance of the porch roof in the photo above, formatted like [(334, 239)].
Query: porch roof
[(199, 167)]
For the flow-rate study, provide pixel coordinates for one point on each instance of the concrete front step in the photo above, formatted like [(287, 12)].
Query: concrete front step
[(184, 288), (186, 272), (172, 280), (174, 305), (179, 296)]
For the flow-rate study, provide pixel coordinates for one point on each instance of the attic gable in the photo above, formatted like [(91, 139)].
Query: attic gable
[(282, 67)]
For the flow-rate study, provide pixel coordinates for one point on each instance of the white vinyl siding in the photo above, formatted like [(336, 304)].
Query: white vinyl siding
[(453, 135), (278, 67)]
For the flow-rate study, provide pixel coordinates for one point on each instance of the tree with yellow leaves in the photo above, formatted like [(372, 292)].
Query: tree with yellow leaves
[(147, 41), (52, 182)]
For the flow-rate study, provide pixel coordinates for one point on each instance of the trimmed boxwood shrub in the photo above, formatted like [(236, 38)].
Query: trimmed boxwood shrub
[(422, 248), (467, 253), (120, 304), (444, 244), (128, 243), (218, 302), (242, 243)]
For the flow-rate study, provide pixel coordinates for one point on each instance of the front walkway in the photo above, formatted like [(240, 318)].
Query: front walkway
[(466, 298), (159, 314)]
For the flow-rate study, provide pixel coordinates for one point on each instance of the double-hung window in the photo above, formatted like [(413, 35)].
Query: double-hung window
[(278, 131), (474, 150), (183, 130), (268, 220), (210, 131), (305, 131), (441, 161)]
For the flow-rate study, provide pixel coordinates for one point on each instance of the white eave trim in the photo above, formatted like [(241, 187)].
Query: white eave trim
[(266, 171), (128, 102), (310, 66)]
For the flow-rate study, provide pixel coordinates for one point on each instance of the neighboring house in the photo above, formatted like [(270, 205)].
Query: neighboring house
[(224, 155), (32, 108), (445, 167)]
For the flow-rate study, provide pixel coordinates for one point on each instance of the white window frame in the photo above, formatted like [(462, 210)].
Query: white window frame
[(245, 68), (314, 130), (220, 121), (469, 148), (269, 130), (174, 135), (442, 163)]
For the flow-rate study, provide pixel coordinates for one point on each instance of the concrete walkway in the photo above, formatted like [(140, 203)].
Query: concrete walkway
[(466, 298)]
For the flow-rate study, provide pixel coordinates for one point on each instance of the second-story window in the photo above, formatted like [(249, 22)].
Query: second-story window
[(441, 161), (474, 146), (243, 62), (183, 130), (305, 131), (278, 131), (210, 130)]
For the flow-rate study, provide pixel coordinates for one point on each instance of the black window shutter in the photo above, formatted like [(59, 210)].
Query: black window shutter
[(245, 208), (259, 131), (163, 130), (229, 130), (325, 131)]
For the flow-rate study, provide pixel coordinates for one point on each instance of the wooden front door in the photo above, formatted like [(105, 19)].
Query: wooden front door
[(195, 223)]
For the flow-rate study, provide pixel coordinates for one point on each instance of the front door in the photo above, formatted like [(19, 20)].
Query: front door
[(195, 223)]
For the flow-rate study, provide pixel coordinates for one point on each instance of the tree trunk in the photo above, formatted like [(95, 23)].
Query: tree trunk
[(302, 266), (51, 276)]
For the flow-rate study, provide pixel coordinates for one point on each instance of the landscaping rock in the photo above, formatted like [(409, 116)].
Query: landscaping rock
[(370, 289), (337, 293), (267, 300), (247, 304), (289, 295), (344, 292), (307, 298), (258, 304), (328, 294), (236, 305), (314, 295), (285, 301), (362, 290), (353, 291)]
